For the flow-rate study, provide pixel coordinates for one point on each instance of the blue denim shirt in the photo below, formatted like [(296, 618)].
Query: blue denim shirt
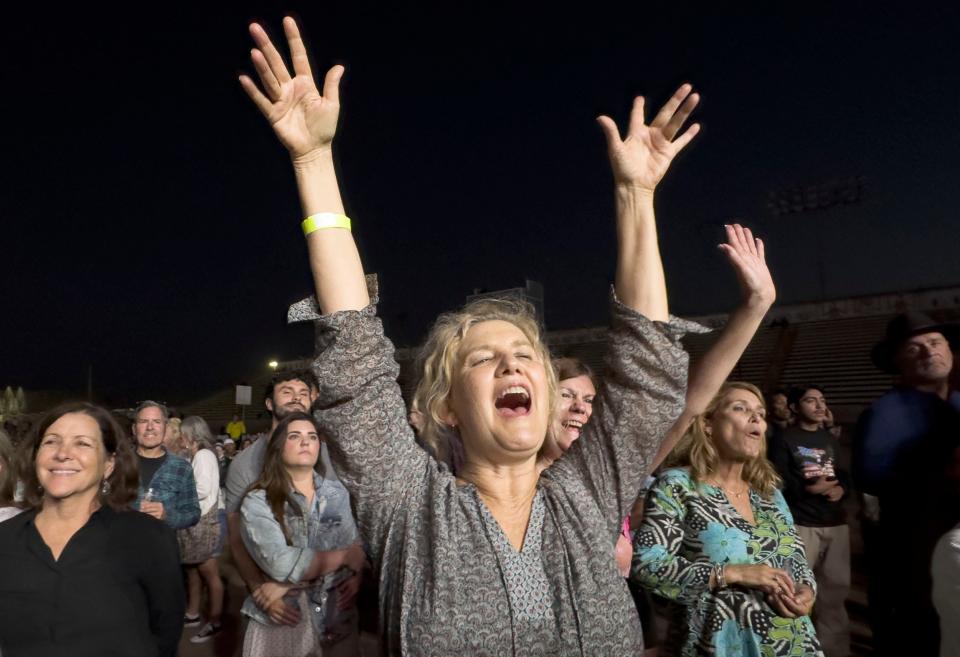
[(326, 525)]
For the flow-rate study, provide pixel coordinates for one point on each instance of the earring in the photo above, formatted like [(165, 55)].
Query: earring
[(105, 489)]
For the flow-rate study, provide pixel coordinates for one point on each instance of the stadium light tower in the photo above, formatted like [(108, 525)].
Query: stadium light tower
[(808, 199)]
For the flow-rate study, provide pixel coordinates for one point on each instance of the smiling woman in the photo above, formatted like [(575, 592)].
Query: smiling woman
[(502, 558), (80, 573), (578, 390)]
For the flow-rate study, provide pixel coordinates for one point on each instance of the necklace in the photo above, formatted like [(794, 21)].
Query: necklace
[(736, 494)]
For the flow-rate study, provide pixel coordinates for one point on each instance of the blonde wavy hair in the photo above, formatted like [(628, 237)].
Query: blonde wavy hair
[(438, 359), (175, 443), (697, 451)]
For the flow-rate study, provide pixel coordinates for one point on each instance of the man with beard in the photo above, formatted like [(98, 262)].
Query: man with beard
[(286, 393), (168, 491), (902, 444)]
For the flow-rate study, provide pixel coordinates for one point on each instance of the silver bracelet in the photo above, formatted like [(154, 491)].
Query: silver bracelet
[(720, 575)]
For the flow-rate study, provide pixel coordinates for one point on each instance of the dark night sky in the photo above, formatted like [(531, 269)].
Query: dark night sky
[(150, 221)]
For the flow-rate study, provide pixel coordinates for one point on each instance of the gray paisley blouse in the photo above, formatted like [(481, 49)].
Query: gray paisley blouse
[(445, 586)]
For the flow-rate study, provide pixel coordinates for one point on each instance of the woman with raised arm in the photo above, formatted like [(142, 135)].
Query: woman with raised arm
[(501, 559), (717, 537), (716, 534), (747, 256), (578, 385)]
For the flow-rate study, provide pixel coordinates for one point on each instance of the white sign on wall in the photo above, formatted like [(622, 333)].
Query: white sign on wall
[(244, 395)]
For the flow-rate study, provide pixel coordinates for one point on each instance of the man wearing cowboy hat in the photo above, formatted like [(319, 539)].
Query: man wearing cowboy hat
[(901, 445)]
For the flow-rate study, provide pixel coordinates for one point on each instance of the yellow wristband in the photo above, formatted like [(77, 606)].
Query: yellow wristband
[(325, 220)]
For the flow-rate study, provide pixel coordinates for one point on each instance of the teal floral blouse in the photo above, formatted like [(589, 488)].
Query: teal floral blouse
[(689, 527)]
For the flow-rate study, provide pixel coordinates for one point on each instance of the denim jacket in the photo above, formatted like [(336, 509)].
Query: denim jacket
[(326, 525)]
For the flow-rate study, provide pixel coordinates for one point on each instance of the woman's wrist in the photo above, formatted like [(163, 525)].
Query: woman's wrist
[(634, 188), (631, 193), (731, 575), (757, 304), (320, 157)]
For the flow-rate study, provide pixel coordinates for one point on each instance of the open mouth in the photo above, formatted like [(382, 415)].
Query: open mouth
[(513, 401), (574, 427), (756, 433)]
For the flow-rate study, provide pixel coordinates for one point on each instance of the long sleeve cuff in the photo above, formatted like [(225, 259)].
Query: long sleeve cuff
[(675, 326)]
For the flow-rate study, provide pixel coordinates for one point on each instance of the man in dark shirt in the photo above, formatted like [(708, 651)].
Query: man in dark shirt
[(805, 455), (779, 415), (901, 447), (168, 490)]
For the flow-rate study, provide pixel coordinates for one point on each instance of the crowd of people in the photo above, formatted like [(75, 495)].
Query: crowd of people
[(514, 503)]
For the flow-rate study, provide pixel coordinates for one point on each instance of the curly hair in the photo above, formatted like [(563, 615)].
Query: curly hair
[(123, 481), (438, 358), (305, 377), (697, 451)]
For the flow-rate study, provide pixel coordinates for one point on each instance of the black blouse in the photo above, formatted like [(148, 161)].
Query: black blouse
[(116, 590)]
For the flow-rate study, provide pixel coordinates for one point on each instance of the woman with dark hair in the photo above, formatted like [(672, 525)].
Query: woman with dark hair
[(81, 573), (299, 530), (718, 537), (201, 544), (577, 387), (8, 479)]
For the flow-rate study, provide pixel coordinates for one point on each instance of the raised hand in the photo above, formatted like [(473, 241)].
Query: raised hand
[(303, 120), (643, 157), (746, 255)]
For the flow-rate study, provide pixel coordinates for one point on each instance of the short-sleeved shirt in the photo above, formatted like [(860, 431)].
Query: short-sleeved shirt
[(149, 467), (801, 457), (236, 429)]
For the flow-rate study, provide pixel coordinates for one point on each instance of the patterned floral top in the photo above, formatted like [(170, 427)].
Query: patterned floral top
[(446, 587), (686, 529)]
